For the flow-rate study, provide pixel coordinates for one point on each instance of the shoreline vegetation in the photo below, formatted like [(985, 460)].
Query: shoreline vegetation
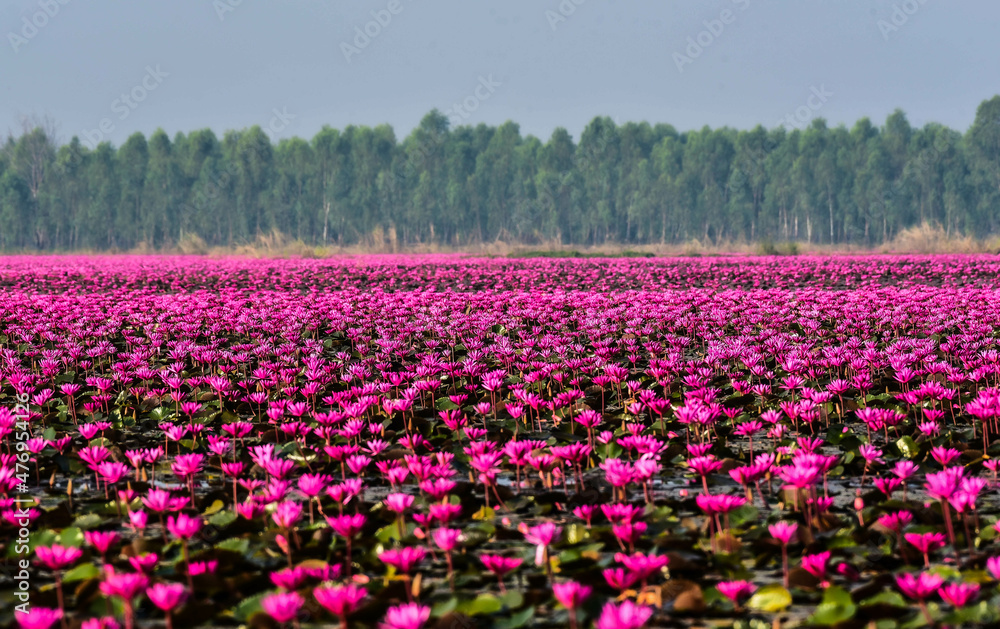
[(921, 239), (494, 191)]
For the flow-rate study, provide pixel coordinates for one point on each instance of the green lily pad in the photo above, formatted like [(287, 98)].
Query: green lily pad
[(770, 598), (836, 607), (81, 573)]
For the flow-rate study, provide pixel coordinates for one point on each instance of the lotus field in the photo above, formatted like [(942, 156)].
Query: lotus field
[(438, 441)]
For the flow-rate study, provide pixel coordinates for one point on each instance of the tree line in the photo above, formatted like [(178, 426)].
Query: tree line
[(632, 183)]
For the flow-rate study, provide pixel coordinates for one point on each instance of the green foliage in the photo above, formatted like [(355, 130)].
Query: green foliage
[(770, 598), (619, 184), (835, 608)]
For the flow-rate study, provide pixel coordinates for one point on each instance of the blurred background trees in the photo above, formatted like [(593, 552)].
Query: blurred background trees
[(633, 183)]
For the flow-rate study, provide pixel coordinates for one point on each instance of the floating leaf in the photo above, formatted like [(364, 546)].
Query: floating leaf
[(888, 597), (248, 607), (71, 536), (770, 598), (908, 447), (835, 608), (482, 604), (215, 507), (235, 544), (484, 513), (514, 621), (82, 572), (222, 519)]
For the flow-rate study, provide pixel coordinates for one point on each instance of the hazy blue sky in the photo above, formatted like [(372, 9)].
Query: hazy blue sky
[(542, 63)]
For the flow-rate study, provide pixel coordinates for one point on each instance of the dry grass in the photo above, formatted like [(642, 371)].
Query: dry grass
[(921, 239), (932, 238)]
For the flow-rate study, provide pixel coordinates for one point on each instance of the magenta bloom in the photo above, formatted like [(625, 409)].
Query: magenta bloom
[(404, 559), (816, 564), (918, 586), (38, 618), (896, 521), (719, 503), (124, 585), (644, 566), (446, 539), (959, 594), (993, 567), (542, 535), (106, 622), (283, 607), (56, 557), (406, 616), (925, 542), (784, 532), (570, 593), (626, 615), (347, 525), (340, 600), (619, 578), (101, 540), (736, 591), (289, 578), (944, 455), (500, 565), (166, 596), (286, 514), (398, 503), (183, 526)]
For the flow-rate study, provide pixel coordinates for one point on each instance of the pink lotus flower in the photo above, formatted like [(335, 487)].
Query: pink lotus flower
[(993, 567), (101, 540), (166, 596), (784, 532), (500, 566), (959, 594), (406, 616), (38, 618), (403, 559), (918, 586), (736, 591), (570, 593), (183, 527), (290, 578), (286, 514), (340, 600), (125, 586), (283, 607), (619, 579), (542, 535), (817, 564), (56, 557), (644, 566), (925, 543), (626, 615)]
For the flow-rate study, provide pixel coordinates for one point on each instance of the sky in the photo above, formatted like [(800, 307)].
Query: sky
[(104, 69)]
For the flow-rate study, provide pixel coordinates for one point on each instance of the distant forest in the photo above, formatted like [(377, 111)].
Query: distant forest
[(633, 183)]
